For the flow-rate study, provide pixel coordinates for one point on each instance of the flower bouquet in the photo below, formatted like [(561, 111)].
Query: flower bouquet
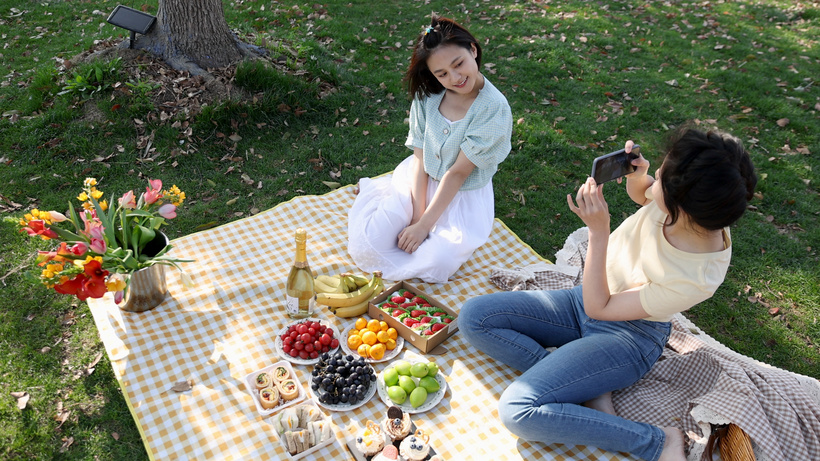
[(107, 243)]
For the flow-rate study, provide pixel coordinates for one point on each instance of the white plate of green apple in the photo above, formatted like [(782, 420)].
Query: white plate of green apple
[(415, 387)]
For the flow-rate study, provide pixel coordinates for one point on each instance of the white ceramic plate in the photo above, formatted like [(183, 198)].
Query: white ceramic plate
[(254, 392), (297, 360), (346, 406), (432, 399), (388, 355)]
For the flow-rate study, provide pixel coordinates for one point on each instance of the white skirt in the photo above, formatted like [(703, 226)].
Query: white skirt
[(383, 208)]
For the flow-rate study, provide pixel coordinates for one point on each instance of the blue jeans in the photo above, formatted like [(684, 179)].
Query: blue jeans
[(593, 357)]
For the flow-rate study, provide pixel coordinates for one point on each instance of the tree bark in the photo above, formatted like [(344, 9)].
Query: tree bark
[(193, 35)]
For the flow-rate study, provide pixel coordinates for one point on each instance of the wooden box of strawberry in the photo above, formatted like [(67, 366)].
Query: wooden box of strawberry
[(415, 315)]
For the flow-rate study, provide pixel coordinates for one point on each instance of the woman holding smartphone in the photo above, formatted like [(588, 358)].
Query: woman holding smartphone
[(667, 257)]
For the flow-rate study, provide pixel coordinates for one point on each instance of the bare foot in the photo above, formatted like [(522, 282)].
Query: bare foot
[(602, 403), (673, 445)]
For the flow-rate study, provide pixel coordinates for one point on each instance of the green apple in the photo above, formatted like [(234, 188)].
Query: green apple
[(432, 368), (402, 367), (418, 396), (419, 370), (430, 384), (407, 383), (397, 394), (391, 377)]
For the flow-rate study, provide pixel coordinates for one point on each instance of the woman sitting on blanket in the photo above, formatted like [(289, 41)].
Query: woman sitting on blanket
[(426, 219), (670, 255)]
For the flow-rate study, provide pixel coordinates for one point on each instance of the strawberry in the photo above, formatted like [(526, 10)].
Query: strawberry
[(447, 319), (410, 322), (439, 313), (407, 294), (417, 313), (419, 300), (389, 304), (398, 299), (406, 305), (437, 326), (427, 332), (426, 319), (397, 312)]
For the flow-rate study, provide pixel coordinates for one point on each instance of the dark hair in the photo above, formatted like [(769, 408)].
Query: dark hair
[(708, 176), (442, 31)]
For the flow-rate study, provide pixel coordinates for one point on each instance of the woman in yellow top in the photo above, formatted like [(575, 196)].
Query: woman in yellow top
[(670, 255)]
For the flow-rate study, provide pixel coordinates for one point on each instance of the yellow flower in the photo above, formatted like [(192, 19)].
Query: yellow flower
[(82, 197), (88, 206), (174, 195), (104, 205), (115, 284), (96, 193), (89, 182)]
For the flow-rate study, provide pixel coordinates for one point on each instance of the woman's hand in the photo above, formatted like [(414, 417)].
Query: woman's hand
[(591, 208), (641, 164), (412, 236)]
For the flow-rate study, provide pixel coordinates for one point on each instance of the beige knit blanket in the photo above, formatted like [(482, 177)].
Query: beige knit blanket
[(698, 383)]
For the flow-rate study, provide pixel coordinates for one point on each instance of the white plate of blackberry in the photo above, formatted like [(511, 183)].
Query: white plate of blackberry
[(342, 382)]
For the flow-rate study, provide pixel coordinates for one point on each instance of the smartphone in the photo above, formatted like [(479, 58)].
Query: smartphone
[(614, 165)]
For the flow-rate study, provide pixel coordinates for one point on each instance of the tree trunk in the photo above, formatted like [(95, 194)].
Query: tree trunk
[(193, 35)]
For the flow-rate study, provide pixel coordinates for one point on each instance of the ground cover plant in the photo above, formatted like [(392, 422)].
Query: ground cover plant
[(328, 107)]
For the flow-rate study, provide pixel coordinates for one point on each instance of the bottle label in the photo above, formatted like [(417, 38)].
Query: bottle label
[(292, 306)]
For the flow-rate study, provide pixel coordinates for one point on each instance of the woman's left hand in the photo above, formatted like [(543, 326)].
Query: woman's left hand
[(591, 208), (412, 236)]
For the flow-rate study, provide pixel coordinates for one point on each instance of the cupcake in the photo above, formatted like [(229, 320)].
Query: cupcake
[(371, 441), (390, 453), (415, 447), (397, 424)]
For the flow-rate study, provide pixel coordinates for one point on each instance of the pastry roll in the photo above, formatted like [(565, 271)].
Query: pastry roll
[(280, 374), (269, 397), (262, 381), (288, 389)]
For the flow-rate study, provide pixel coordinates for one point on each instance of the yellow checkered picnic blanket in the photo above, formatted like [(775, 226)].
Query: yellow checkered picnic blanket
[(216, 333)]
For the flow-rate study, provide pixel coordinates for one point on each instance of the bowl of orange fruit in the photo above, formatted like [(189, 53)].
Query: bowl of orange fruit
[(372, 339)]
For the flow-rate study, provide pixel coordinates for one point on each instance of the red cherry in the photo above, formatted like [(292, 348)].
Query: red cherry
[(311, 331), (325, 349), (322, 328), (314, 355), (325, 339), (317, 345), (309, 348), (334, 343), (302, 328), (298, 345), (305, 338), (303, 355), (286, 348), (293, 353)]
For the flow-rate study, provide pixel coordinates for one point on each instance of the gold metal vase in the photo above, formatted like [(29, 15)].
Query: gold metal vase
[(146, 287)]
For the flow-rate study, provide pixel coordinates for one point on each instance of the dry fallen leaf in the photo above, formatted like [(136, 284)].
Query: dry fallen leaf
[(782, 122), (182, 386), (22, 399)]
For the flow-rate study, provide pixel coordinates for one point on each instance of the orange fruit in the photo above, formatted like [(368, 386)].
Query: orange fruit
[(361, 322), (390, 344), (377, 351), (363, 350), (369, 338), (353, 331), (373, 325), (392, 333), (383, 326), (382, 336), (354, 341)]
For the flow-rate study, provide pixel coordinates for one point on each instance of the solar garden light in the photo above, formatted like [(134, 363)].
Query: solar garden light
[(133, 20)]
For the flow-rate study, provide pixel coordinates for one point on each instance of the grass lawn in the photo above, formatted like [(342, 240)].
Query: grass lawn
[(581, 78)]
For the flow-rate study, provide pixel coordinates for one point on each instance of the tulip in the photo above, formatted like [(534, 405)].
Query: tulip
[(56, 216), (98, 246), (186, 279), (153, 193), (38, 227), (168, 211), (128, 200)]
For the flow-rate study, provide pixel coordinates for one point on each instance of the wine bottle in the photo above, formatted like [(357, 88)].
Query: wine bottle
[(300, 292)]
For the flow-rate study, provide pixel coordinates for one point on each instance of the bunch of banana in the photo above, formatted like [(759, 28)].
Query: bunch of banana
[(351, 303), (342, 283)]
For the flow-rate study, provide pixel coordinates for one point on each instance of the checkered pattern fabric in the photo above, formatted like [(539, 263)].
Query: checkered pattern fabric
[(216, 333)]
